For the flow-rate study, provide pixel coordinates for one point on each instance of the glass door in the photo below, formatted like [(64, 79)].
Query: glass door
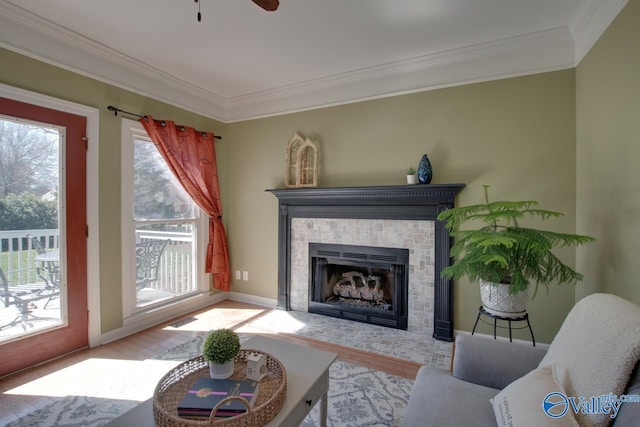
[(42, 234), (30, 239)]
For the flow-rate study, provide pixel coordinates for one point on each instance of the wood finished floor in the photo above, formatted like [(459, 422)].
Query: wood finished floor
[(227, 314)]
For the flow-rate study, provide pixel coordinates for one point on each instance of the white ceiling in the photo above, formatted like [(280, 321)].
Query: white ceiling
[(241, 62)]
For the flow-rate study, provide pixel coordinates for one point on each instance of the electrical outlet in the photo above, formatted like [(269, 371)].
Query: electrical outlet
[(238, 276), (245, 275)]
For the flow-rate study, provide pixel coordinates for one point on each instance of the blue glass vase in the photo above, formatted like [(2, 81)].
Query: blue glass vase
[(425, 171)]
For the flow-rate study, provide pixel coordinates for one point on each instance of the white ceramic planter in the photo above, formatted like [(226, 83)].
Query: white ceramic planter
[(221, 371), (411, 179), (497, 300)]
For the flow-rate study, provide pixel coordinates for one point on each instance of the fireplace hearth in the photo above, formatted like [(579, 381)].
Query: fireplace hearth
[(362, 283)]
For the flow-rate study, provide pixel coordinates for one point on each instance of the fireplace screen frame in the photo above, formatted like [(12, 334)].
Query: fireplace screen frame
[(396, 260)]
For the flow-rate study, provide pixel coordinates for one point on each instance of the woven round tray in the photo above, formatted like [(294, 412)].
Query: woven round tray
[(175, 384)]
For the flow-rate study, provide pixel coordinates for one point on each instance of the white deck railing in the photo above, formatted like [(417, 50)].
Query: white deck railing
[(176, 272), (17, 257)]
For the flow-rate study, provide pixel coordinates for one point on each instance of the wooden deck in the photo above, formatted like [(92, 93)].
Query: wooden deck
[(14, 324)]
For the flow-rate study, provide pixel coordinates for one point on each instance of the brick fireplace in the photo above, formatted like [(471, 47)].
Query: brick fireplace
[(401, 217)]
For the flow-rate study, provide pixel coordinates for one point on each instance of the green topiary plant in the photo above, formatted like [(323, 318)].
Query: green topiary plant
[(221, 346), (501, 251), (411, 171)]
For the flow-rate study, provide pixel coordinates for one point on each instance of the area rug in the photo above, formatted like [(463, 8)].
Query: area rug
[(360, 396), (357, 396), (90, 392), (75, 411)]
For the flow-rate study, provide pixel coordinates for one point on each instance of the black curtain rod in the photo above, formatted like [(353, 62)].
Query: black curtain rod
[(117, 110)]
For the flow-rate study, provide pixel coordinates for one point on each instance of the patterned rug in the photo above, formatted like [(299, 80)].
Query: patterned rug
[(358, 396), (75, 411)]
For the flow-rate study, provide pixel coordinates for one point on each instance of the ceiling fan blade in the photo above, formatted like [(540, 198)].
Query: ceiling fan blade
[(269, 5)]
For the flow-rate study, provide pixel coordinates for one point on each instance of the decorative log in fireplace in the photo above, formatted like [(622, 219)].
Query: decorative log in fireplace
[(402, 202)]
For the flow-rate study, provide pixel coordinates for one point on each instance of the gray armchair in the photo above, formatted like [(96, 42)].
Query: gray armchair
[(482, 366), (601, 330)]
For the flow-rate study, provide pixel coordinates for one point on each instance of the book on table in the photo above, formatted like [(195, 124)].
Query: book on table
[(206, 393)]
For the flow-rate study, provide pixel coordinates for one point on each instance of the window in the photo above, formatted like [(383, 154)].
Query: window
[(32, 195), (162, 229)]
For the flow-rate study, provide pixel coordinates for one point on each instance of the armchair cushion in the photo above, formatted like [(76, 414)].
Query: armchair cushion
[(493, 363), (595, 350), (520, 403), (438, 399)]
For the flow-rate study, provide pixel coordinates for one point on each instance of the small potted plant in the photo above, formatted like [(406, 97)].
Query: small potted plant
[(219, 349), (411, 175), (503, 257)]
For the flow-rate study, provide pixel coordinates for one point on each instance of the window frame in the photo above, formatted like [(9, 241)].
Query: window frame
[(132, 131)]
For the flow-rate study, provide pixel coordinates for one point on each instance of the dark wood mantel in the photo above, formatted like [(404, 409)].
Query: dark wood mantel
[(398, 202)]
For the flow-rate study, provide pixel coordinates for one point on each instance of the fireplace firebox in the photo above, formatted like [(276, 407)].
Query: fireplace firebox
[(361, 283)]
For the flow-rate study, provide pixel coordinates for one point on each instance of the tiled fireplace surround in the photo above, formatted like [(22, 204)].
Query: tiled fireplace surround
[(417, 236), (390, 216)]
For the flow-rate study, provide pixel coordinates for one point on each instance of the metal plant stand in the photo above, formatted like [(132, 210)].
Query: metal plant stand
[(510, 320)]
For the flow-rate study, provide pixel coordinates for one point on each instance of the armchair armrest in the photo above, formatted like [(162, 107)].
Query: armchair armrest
[(493, 363)]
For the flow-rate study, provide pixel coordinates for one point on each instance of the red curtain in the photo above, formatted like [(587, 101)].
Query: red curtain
[(191, 155)]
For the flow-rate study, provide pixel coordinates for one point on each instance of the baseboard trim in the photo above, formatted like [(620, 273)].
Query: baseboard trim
[(252, 299)]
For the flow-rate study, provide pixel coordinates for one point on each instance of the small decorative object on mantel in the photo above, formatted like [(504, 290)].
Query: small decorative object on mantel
[(256, 366), (219, 349), (411, 175), (425, 172), (301, 163)]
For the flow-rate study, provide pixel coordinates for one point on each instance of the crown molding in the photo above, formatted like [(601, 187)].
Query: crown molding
[(550, 50), (543, 51), (590, 22)]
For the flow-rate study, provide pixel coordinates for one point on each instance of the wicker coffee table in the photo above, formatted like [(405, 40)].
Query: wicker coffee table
[(307, 383)]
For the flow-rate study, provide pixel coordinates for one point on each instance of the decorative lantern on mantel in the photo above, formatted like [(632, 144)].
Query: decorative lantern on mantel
[(256, 366), (301, 163)]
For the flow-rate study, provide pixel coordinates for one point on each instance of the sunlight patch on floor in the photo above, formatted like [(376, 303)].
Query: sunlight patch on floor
[(217, 318), (101, 378), (278, 321)]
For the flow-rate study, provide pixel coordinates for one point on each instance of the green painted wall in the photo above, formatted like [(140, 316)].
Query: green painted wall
[(25, 73), (517, 135), (608, 151)]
